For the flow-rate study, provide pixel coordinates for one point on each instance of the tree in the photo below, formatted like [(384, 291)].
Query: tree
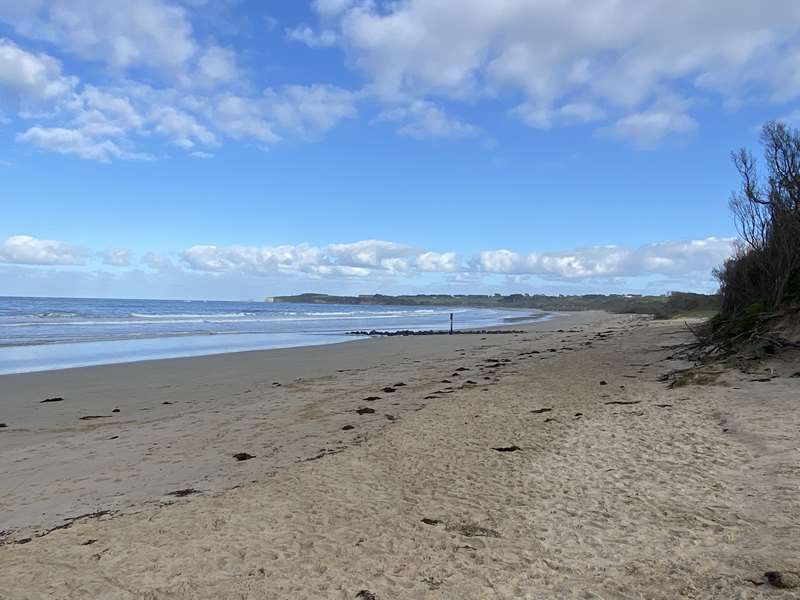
[(766, 267)]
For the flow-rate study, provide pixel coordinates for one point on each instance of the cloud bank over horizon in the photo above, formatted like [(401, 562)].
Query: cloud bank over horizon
[(376, 264)]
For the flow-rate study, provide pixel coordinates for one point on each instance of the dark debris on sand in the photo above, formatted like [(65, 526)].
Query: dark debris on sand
[(507, 448), (56, 399), (365, 411), (472, 530), (183, 493), (243, 456)]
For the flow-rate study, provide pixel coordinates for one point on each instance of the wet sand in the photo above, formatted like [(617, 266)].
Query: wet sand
[(551, 464)]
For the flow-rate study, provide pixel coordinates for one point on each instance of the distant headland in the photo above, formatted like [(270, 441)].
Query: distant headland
[(666, 306)]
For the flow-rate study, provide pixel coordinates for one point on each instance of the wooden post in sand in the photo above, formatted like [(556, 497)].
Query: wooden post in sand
[(451, 323)]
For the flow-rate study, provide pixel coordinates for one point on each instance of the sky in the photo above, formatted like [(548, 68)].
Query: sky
[(235, 149)]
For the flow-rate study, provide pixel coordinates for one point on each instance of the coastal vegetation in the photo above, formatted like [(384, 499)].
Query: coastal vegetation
[(665, 306), (760, 283)]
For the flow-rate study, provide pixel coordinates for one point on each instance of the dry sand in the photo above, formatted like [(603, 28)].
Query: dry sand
[(622, 489)]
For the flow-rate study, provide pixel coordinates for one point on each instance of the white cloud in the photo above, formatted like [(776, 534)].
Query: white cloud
[(667, 258), (122, 34), (216, 65), (388, 259), (181, 127), (157, 262), (240, 117), (677, 264), (305, 35), (31, 79), (77, 142), (117, 257), (567, 114), (359, 259), (252, 259), (308, 110), (438, 262), (422, 119), (648, 128), (200, 154), (117, 107), (28, 250), (368, 253), (290, 111), (576, 61)]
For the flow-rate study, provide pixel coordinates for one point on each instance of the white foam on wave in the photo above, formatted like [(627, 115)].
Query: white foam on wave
[(189, 315)]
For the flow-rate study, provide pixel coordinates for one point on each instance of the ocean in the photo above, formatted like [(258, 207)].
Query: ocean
[(38, 334)]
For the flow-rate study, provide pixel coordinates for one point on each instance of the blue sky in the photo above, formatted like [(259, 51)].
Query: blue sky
[(236, 149)]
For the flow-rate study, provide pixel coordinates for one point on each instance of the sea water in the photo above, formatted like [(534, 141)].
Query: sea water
[(38, 334)]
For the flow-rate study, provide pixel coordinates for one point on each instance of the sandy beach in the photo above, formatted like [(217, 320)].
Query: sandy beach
[(548, 464)]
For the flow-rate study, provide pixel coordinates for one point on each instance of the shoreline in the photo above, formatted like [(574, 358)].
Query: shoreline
[(188, 398), (554, 463), (61, 355)]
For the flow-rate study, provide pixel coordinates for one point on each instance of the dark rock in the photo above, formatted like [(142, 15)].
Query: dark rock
[(116, 410), (390, 417), (2, 425), (88, 542), (397, 385), (90, 417), (166, 402), (56, 399), (366, 595), (347, 428), (507, 448), (470, 382), (603, 383), (624, 402), (461, 369), (539, 411), (365, 411), (431, 521), (578, 415), (371, 398), (243, 456), (388, 390), (445, 381), (113, 437), (409, 332)]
